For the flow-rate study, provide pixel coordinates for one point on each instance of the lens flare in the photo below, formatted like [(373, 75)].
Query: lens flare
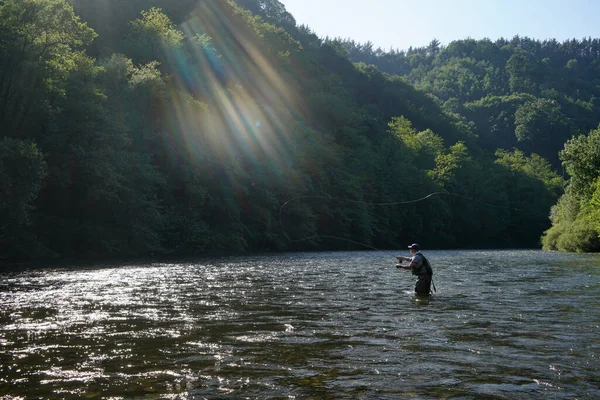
[(234, 97)]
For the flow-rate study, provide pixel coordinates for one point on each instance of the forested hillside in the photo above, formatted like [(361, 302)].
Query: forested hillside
[(154, 127), (520, 93)]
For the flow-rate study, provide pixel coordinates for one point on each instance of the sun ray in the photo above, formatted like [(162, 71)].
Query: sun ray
[(248, 102)]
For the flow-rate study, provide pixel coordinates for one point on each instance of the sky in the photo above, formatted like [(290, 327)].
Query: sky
[(399, 24)]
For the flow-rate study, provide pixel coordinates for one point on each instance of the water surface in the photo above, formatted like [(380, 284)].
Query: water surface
[(503, 325)]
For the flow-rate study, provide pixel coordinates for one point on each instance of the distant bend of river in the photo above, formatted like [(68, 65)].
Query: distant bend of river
[(344, 325)]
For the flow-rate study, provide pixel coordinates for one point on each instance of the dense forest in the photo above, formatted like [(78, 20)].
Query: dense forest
[(153, 127), (538, 97)]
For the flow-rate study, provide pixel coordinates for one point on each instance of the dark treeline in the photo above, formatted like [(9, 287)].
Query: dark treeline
[(180, 128)]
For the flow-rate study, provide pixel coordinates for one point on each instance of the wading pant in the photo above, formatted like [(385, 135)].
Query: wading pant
[(423, 285)]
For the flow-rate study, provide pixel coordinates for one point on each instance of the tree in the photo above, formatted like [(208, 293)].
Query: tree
[(521, 71), (273, 11), (575, 216), (433, 48), (543, 125), (100, 192), (532, 187), (152, 37), (201, 119), (22, 171), (40, 41)]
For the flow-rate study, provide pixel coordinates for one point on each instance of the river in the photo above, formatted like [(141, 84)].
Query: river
[(521, 324)]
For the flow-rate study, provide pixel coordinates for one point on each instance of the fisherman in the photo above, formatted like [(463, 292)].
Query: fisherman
[(420, 267)]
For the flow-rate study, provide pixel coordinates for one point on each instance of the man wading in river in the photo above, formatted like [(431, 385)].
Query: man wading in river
[(420, 267)]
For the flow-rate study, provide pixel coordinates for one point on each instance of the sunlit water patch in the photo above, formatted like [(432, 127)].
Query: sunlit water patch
[(503, 325)]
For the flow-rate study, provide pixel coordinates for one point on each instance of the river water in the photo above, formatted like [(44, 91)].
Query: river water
[(502, 325)]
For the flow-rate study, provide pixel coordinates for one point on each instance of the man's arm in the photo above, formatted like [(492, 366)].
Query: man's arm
[(405, 266)]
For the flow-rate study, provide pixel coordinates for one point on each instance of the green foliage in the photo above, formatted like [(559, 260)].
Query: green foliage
[(154, 25), (459, 78), (581, 159), (542, 123), (448, 162), (424, 146), (487, 82), (494, 118), (533, 166), (199, 120), (40, 43), (152, 37), (22, 171), (521, 70), (111, 19), (99, 191), (574, 236), (576, 216), (532, 188), (593, 214)]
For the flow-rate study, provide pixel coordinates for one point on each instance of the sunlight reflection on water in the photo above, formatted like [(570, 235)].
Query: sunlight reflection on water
[(504, 324)]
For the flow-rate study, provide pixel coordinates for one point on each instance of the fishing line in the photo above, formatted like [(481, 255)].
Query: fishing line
[(370, 203), (394, 203)]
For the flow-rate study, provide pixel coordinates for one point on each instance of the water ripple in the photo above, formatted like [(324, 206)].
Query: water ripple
[(504, 325)]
